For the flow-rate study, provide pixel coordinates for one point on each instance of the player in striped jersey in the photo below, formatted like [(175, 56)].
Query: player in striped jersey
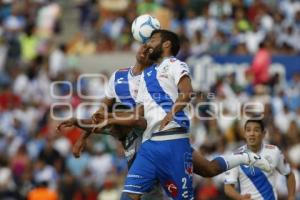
[(165, 154), (122, 88), (120, 93), (254, 183)]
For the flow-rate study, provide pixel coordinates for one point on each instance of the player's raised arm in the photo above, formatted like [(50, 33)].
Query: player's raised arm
[(132, 117)]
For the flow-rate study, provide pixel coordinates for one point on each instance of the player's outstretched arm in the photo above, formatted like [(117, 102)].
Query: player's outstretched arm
[(136, 121), (132, 117), (231, 192), (204, 167), (220, 164), (84, 124), (291, 185)]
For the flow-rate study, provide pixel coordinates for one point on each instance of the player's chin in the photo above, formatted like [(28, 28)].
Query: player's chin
[(252, 142)]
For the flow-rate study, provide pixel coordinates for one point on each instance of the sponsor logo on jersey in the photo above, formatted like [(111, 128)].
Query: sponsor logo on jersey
[(119, 80), (164, 76), (172, 188)]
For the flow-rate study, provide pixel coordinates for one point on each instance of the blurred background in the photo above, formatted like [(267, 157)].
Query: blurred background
[(56, 56)]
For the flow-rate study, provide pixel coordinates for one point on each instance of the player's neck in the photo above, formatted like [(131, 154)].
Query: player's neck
[(164, 56), (255, 148), (137, 69)]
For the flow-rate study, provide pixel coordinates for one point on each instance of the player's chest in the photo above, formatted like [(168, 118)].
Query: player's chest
[(134, 83)]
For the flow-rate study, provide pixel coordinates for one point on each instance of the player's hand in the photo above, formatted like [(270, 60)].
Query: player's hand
[(99, 120), (100, 126), (67, 123), (166, 121), (79, 147), (99, 116), (245, 197)]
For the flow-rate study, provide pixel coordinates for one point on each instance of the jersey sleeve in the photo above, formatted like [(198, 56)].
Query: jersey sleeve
[(178, 70), (231, 176), (110, 87), (283, 167), (141, 91)]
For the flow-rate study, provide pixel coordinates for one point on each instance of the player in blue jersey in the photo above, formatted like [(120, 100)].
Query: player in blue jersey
[(122, 88), (254, 183), (166, 154), (120, 92)]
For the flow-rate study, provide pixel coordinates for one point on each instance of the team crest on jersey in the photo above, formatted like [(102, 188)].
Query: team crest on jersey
[(172, 188), (165, 69), (188, 164)]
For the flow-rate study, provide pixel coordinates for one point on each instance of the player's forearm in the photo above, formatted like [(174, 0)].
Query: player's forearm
[(85, 124), (85, 135), (291, 185), (231, 192), (181, 102), (129, 121), (203, 167), (137, 112)]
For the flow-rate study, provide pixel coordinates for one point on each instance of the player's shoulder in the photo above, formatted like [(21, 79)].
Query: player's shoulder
[(174, 61), (124, 69), (271, 148), (239, 149)]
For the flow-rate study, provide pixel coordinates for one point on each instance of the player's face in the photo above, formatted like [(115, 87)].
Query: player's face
[(142, 56), (154, 46), (254, 134)]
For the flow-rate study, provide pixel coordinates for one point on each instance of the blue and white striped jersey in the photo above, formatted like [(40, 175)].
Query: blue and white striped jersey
[(158, 91), (123, 86), (254, 181)]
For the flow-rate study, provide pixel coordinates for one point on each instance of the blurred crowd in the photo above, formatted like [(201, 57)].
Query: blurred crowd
[(35, 160)]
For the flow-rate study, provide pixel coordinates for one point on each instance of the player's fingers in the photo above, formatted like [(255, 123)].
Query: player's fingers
[(94, 129), (247, 197), (76, 152), (58, 128), (162, 126)]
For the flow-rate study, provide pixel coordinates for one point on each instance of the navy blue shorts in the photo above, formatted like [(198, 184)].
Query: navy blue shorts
[(169, 162)]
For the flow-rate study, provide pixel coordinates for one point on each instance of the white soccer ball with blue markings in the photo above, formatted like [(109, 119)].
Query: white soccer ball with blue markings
[(143, 26)]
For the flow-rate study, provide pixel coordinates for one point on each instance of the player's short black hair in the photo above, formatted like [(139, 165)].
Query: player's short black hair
[(258, 121), (171, 36)]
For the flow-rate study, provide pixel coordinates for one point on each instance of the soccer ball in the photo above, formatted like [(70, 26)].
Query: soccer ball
[(143, 26)]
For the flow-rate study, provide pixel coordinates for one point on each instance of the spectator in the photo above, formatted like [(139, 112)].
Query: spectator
[(29, 43), (58, 60), (42, 192), (261, 63)]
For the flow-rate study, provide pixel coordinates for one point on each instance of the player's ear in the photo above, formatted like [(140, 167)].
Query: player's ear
[(166, 44)]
